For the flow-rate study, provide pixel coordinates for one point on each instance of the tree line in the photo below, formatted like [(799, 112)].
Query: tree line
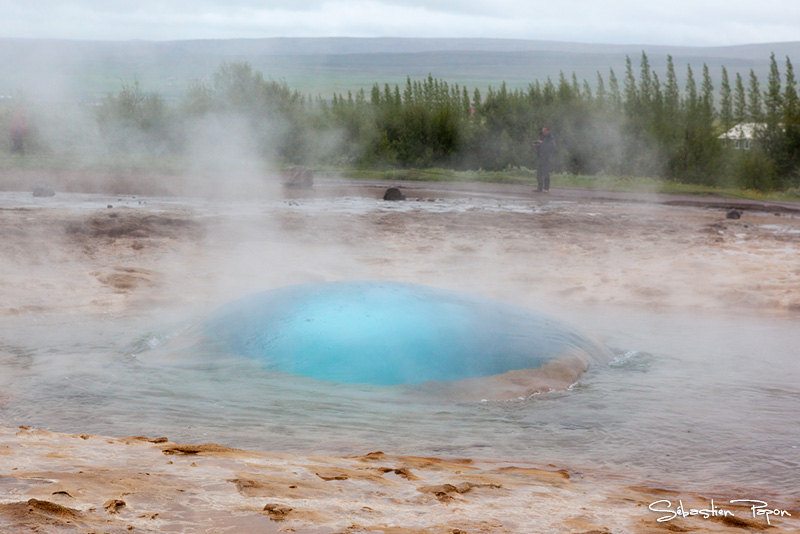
[(642, 124)]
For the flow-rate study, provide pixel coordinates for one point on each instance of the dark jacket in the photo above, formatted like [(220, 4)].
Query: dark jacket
[(545, 151)]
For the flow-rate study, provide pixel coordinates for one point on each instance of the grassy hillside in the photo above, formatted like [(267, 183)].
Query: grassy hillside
[(90, 70)]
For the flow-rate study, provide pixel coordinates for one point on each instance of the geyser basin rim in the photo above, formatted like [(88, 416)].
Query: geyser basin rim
[(389, 333)]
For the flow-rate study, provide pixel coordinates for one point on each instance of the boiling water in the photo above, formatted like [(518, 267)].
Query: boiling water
[(687, 402)]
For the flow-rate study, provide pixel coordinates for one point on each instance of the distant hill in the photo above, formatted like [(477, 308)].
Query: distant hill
[(322, 66)]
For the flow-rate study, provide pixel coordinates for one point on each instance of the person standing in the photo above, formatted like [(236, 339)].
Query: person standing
[(19, 130), (544, 148)]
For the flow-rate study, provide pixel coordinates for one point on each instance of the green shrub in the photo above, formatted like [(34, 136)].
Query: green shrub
[(755, 170)]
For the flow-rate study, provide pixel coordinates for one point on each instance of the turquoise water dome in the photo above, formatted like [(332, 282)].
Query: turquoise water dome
[(388, 333)]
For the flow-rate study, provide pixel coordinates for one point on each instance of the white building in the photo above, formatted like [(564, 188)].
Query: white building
[(741, 136)]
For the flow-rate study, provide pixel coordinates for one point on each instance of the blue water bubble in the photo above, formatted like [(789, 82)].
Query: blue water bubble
[(389, 333)]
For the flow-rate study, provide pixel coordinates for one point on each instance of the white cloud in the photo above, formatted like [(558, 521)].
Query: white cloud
[(680, 22)]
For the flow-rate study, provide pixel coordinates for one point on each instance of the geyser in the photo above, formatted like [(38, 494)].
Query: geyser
[(388, 333)]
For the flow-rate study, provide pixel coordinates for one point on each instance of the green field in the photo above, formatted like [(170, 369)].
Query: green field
[(568, 181), (172, 166)]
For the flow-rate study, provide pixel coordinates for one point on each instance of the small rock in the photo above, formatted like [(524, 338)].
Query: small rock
[(113, 506), (733, 213), (277, 512), (298, 176), (393, 193), (42, 190)]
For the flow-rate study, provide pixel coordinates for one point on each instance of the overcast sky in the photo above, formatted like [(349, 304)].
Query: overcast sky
[(674, 22)]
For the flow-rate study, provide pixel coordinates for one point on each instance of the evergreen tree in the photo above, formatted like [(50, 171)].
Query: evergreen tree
[(375, 95), (690, 99), (739, 101), (614, 96), (398, 100), (707, 97), (645, 94), (754, 112), (791, 105), (658, 101), (631, 92), (476, 98), (576, 88), (601, 91), (549, 92), (693, 156), (388, 97), (773, 104), (672, 94), (565, 90), (587, 91), (726, 101)]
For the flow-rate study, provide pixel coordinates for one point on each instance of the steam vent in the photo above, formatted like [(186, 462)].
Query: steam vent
[(387, 333)]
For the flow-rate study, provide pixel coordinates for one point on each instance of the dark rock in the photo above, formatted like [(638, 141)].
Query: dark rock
[(297, 176), (113, 506), (42, 190), (277, 512), (393, 193), (733, 213)]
